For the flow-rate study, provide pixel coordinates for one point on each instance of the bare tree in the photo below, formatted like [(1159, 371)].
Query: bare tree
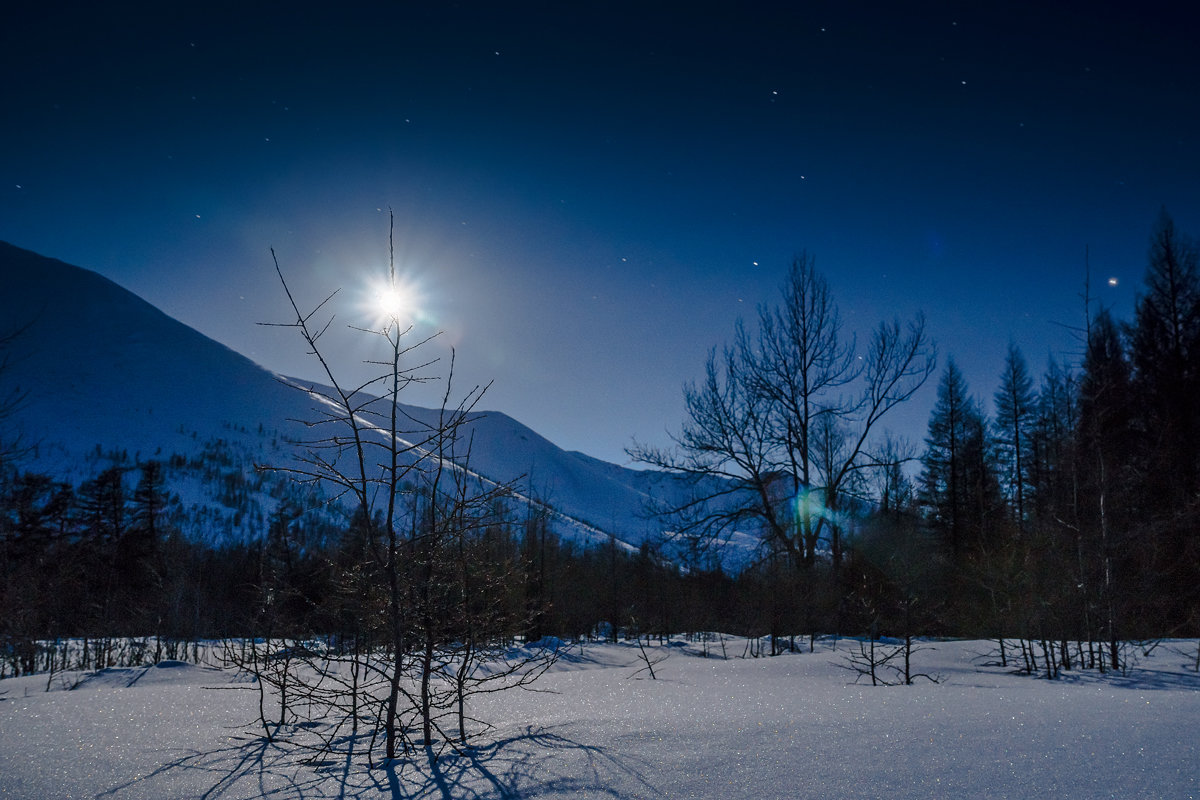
[(878, 661), (797, 362), (411, 592), (779, 430), (649, 661)]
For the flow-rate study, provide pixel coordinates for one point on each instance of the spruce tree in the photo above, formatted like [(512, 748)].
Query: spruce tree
[(1164, 356), (1012, 429), (958, 486)]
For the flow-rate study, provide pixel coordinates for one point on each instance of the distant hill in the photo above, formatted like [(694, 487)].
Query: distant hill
[(109, 379)]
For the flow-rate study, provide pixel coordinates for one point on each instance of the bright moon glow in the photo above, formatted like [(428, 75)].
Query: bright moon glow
[(387, 301), (1112, 281), (391, 302)]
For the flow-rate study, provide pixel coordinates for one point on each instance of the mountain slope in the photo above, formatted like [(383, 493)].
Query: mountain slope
[(109, 378)]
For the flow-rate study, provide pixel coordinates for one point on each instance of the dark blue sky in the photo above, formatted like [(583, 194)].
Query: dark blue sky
[(588, 196)]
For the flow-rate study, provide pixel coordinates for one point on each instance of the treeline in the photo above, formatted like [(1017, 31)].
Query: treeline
[(99, 562), (1072, 511), (1066, 516)]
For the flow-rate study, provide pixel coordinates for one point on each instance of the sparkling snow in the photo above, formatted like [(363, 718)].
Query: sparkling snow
[(784, 727)]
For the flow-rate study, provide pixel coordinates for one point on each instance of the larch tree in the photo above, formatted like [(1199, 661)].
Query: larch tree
[(1052, 453), (1107, 443), (797, 363), (1059, 583), (421, 605), (1012, 429)]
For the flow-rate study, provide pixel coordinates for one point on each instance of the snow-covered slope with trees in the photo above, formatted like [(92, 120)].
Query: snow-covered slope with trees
[(109, 379)]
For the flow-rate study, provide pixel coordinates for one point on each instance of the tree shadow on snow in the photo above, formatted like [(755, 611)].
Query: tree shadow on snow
[(247, 767), (533, 763), (1141, 679)]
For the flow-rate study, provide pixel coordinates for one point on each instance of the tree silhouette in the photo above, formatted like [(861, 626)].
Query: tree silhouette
[(779, 429)]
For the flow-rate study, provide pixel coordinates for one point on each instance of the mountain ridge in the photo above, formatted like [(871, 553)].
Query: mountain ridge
[(109, 378)]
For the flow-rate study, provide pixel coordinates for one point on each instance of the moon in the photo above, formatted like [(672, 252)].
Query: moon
[(399, 300), (391, 302)]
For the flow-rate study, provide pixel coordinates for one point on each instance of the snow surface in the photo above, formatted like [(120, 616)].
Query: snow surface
[(793, 726)]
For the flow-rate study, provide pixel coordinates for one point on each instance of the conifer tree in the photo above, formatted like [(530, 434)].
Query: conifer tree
[(958, 486), (138, 551), (1106, 440), (1165, 361), (1012, 431), (1053, 475)]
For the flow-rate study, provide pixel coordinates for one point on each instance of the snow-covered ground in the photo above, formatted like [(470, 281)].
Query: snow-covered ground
[(788, 727)]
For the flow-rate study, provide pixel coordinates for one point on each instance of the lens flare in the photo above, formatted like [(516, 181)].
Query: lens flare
[(810, 504)]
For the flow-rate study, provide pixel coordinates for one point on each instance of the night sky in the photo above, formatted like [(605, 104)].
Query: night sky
[(587, 196)]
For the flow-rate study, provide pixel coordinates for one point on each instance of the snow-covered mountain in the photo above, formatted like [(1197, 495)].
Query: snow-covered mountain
[(109, 379)]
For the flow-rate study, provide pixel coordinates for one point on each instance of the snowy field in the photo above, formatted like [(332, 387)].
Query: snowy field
[(793, 726)]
